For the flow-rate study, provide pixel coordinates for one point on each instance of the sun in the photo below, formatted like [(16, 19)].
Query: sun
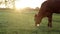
[(28, 3)]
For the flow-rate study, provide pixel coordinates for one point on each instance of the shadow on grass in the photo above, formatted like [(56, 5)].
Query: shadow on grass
[(46, 30), (56, 20)]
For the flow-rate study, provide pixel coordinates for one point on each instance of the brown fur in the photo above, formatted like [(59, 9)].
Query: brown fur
[(47, 9)]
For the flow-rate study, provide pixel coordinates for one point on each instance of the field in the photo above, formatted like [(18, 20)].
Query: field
[(15, 22)]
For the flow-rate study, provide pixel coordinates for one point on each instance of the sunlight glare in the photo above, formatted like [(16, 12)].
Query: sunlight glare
[(28, 3)]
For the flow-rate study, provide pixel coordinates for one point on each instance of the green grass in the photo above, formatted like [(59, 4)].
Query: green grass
[(23, 23)]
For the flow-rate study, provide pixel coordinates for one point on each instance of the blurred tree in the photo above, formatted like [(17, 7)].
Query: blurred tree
[(37, 9), (10, 3), (7, 3)]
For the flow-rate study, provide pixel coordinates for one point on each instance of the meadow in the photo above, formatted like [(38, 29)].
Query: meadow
[(22, 22)]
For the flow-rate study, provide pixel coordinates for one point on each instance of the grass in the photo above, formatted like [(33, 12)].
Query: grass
[(23, 23)]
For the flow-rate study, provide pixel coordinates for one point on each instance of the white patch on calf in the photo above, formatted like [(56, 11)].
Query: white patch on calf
[(38, 24)]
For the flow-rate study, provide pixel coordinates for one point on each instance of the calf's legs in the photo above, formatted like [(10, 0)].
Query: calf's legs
[(50, 21)]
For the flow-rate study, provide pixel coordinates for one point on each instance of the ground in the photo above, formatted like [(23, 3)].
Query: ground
[(12, 22)]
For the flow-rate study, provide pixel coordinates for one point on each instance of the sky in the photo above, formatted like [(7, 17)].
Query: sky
[(28, 3)]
